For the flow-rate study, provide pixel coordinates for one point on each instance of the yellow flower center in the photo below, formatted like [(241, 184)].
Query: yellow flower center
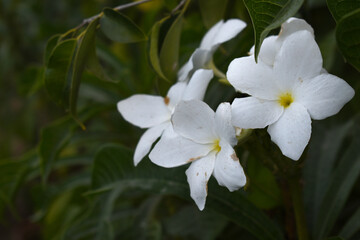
[(285, 99), (216, 145)]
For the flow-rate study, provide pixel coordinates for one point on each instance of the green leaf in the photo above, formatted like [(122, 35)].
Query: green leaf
[(190, 223), (348, 37), (85, 46), (120, 28), (12, 175), (267, 15), (262, 188), (342, 182), (56, 136), (53, 139), (340, 8), (154, 48), (113, 169), (335, 238), (352, 226), (212, 11), (56, 72), (319, 165), (50, 45), (169, 53)]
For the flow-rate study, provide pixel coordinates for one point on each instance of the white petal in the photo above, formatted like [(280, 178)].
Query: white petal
[(208, 40), (144, 110), (175, 94), (228, 30), (183, 73), (194, 120), (292, 131), (324, 95), (228, 171), (201, 58), (299, 58), (177, 151), (198, 84), (147, 139), (223, 124), (253, 78), (198, 175), (251, 112), (294, 25), (268, 50)]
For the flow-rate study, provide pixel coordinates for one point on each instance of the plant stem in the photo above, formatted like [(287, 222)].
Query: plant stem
[(296, 196), (118, 8)]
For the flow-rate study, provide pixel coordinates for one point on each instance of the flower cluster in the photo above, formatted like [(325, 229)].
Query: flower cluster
[(287, 88)]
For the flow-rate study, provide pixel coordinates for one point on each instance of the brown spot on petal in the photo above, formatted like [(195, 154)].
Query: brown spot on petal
[(193, 159), (205, 174), (234, 157), (166, 100), (197, 174)]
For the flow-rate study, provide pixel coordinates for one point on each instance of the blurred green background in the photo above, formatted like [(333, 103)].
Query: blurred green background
[(31, 122)]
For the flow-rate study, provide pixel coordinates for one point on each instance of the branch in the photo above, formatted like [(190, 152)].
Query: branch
[(118, 8)]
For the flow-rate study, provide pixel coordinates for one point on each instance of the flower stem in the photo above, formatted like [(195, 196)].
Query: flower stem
[(296, 195)]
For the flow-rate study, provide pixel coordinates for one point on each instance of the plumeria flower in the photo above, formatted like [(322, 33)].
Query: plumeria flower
[(154, 112), (272, 44), (205, 139), (287, 95), (219, 33)]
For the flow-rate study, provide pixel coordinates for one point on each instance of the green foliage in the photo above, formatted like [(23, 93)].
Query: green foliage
[(61, 181), (212, 11), (267, 15), (347, 16), (57, 71), (120, 28), (114, 171)]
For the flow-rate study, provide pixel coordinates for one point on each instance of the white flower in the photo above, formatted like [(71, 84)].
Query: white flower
[(272, 44), (219, 33), (205, 139), (154, 112), (286, 96)]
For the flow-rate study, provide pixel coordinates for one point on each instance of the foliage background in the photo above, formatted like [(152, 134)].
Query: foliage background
[(58, 181)]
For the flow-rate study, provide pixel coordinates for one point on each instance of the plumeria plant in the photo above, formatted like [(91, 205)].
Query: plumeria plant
[(195, 120)]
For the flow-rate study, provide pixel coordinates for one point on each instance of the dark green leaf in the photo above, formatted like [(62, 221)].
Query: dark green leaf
[(113, 169), (50, 45), (342, 182), (267, 15), (262, 188), (120, 28), (348, 37), (324, 147), (190, 223), (169, 52), (86, 45), (56, 73), (340, 8), (12, 175), (56, 136), (53, 139), (154, 47), (335, 238), (212, 11), (352, 226)]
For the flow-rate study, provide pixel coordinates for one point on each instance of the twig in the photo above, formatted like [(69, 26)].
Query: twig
[(118, 8), (178, 6)]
